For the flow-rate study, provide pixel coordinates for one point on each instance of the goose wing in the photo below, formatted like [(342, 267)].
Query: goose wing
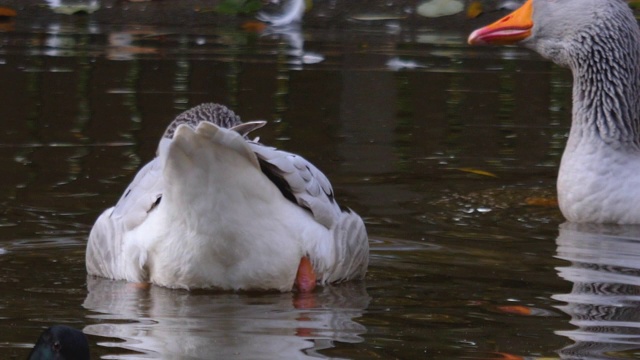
[(300, 181), (141, 196), (106, 247)]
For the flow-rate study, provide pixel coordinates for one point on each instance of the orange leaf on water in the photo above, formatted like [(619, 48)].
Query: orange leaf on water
[(7, 12), (507, 356), (541, 201), (254, 26), (515, 309)]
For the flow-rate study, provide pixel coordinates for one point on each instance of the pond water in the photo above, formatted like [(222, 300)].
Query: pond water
[(448, 152)]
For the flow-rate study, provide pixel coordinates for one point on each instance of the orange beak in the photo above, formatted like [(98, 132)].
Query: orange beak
[(508, 30)]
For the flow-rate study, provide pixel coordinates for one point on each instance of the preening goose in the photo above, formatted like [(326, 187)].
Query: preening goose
[(599, 40), (217, 210)]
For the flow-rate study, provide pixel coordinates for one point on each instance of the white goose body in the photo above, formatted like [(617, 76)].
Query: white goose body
[(599, 40), (599, 184), (222, 218)]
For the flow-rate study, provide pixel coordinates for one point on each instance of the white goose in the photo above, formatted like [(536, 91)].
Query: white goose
[(599, 40), (216, 210)]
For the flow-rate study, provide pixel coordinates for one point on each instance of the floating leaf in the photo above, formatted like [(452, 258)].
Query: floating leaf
[(254, 26), (75, 9), (377, 17), (478, 172), (474, 9), (438, 8), (7, 12), (525, 310), (541, 201), (507, 356), (515, 309)]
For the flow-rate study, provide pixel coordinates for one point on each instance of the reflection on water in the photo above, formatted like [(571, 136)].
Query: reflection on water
[(179, 324), (604, 302), (70, 7), (293, 40)]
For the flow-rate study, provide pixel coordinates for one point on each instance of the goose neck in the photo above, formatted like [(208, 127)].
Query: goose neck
[(606, 91)]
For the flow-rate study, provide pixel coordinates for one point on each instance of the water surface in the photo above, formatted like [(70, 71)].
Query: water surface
[(448, 152)]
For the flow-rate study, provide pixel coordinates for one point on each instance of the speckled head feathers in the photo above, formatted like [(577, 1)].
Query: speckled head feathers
[(214, 113), (564, 31)]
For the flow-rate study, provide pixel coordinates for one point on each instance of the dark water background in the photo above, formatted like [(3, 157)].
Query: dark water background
[(448, 152)]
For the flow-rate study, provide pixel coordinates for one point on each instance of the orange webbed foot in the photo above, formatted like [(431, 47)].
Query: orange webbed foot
[(306, 277)]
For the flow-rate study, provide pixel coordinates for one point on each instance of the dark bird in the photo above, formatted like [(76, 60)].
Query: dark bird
[(61, 342)]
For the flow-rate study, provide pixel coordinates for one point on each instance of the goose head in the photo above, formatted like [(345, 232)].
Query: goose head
[(599, 40), (564, 31)]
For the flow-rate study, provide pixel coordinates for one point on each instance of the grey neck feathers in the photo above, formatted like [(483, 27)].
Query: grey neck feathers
[(214, 113), (606, 89)]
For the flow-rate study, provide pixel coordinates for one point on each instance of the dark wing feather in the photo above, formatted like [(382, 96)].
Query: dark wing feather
[(299, 181)]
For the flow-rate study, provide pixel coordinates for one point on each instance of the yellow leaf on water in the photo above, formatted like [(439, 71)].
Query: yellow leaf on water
[(474, 9), (477, 172)]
